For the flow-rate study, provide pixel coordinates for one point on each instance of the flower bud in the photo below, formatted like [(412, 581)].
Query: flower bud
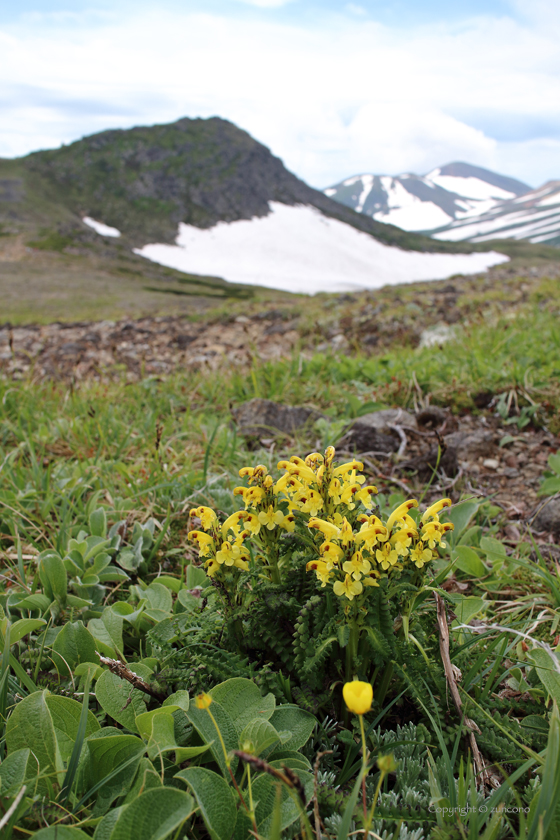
[(358, 696)]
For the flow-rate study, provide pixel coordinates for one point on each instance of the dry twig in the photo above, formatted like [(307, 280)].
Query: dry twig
[(123, 671)]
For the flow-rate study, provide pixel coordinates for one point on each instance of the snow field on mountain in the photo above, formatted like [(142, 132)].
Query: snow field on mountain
[(100, 228), (297, 249), (468, 187)]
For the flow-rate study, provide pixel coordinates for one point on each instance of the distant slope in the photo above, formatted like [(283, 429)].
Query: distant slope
[(534, 216), (424, 202), (145, 181)]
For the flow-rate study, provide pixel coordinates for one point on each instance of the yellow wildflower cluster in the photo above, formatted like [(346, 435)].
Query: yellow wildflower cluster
[(356, 547)]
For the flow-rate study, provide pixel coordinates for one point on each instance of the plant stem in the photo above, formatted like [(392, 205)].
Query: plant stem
[(374, 803), (384, 684), (364, 767)]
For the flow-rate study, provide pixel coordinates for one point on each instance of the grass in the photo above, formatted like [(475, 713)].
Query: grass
[(152, 448)]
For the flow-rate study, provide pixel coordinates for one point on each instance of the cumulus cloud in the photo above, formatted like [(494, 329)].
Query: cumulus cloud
[(345, 96)]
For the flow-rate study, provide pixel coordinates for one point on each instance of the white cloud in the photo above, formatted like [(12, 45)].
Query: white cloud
[(346, 96)]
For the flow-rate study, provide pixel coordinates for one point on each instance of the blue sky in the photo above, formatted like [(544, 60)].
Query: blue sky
[(333, 88)]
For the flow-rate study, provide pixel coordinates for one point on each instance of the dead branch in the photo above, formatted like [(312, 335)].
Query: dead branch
[(123, 671), (453, 675)]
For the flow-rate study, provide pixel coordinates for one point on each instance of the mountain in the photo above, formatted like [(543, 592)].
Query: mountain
[(426, 202), (204, 198), (534, 216)]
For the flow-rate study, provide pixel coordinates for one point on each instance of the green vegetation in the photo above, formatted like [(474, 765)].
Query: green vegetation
[(230, 679)]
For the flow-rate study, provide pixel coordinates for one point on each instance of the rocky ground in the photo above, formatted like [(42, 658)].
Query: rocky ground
[(480, 455)]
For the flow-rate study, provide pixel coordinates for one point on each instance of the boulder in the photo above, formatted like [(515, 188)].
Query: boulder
[(259, 417), (470, 446), (373, 433), (548, 517)]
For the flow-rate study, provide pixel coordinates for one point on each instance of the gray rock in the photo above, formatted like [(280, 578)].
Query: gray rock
[(264, 417), (373, 433), (548, 517), (469, 446)]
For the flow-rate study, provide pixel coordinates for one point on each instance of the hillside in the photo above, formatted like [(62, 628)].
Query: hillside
[(425, 202), (199, 178)]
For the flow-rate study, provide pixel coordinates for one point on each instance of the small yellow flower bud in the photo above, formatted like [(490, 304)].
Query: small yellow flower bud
[(358, 696), (387, 763), (203, 701)]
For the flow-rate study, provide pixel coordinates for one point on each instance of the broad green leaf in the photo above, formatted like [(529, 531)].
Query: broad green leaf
[(299, 722), (108, 630), (74, 644), (158, 729), (15, 770), (145, 779), (98, 522), (105, 752), (159, 597), (172, 583), (243, 701), (466, 608), (38, 601), (105, 827), (289, 756), (554, 463), (60, 832), (196, 576), (460, 515), (179, 698), (154, 815), (215, 799), (258, 736), (53, 576), (21, 628), (186, 753), (65, 714), (204, 725), (469, 561), (264, 792), (494, 549), (30, 726), (113, 695), (546, 670)]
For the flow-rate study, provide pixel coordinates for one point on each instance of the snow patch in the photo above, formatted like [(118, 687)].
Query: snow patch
[(469, 187), (100, 228), (297, 249)]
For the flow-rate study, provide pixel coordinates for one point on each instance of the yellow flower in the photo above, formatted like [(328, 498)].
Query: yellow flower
[(230, 553), (233, 522), (287, 484), (371, 578), (349, 467), (252, 496), (202, 701), (204, 541), (348, 587), (420, 555), (358, 696), (370, 535), (386, 556), (347, 495), (211, 567), (331, 553), (206, 516), (365, 495), (434, 509), (314, 460), (387, 763), (329, 455), (270, 518), (309, 501), (335, 490), (400, 512), (357, 566), (346, 535), (321, 570), (328, 530), (401, 540), (289, 522), (433, 532), (251, 523)]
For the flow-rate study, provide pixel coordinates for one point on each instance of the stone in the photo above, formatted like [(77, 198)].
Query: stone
[(469, 446), (431, 417), (259, 417), (491, 463), (548, 517), (373, 433)]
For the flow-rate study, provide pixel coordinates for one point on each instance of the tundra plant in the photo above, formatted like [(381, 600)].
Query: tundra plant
[(319, 518)]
